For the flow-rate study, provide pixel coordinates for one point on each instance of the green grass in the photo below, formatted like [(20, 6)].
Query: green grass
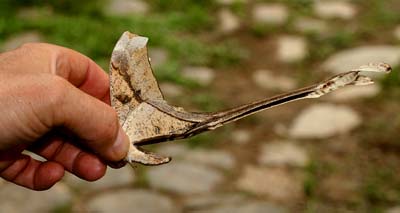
[(311, 181), (299, 7), (261, 30), (209, 139), (179, 5), (141, 179), (96, 37), (239, 8), (88, 7), (324, 46), (391, 84), (169, 72), (381, 134), (206, 102), (85, 28), (64, 208), (381, 14), (377, 18), (382, 187)]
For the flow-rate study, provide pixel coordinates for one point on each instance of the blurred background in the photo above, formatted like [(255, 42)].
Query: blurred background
[(340, 153)]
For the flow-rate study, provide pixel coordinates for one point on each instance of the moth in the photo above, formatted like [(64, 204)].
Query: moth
[(148, 119)]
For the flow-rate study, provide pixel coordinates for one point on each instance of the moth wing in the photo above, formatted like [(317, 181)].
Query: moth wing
[(131, 78)]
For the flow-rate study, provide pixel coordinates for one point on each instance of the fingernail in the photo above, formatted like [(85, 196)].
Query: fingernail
[(121, 145)]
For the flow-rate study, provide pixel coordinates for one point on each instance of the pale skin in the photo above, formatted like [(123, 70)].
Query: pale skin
[(55, 102)]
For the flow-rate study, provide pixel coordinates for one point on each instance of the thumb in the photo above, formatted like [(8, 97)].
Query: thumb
[(94, 122)]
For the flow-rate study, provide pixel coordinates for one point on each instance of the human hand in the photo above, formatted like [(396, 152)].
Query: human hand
[(53, 102)]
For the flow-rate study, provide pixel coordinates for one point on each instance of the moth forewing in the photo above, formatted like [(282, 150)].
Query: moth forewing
[(147, 118)]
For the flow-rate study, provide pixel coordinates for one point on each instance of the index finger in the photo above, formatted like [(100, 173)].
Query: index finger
[(83, 73), (78, 69)]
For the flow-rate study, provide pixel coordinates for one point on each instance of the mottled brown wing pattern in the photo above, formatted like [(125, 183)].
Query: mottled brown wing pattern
[(147, 118), (131, 77), (131, 84)]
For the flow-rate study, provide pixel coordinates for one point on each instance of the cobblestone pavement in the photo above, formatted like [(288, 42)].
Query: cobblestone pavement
[(268, 163)]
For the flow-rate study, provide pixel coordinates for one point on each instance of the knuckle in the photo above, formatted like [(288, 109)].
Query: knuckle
[(30, 47), (34, 45), (56, 89), (25, 49)]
